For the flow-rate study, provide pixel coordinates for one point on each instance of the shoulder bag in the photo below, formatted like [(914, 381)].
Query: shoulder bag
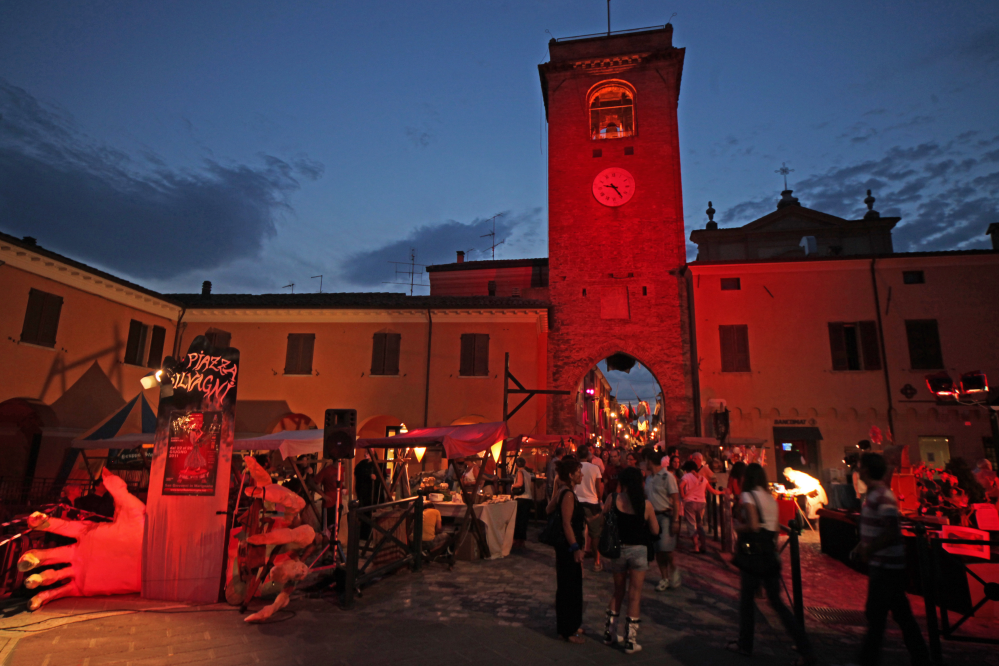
[(756, 552), (553, 534), (610, 539)]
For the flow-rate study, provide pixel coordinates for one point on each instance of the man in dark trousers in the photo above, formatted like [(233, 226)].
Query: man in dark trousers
[(882, 548)]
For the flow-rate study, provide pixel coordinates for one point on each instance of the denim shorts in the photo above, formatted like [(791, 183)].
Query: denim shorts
[(633, 558), (666, 541)]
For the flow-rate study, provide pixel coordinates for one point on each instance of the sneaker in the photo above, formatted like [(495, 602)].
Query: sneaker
[(663, 585), (674, 580)]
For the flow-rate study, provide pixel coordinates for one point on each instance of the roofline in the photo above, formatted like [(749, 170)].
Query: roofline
[(849, 257), (311, 302), (488, 263)]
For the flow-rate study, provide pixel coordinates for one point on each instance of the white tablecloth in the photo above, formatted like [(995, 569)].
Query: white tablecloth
[(499, 519)]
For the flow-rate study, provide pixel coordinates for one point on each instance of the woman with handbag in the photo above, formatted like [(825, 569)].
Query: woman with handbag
[(565, 512), (523, 491), (633, 519), (759, 564)]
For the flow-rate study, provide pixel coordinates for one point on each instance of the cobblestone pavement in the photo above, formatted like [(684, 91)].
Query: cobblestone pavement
[(482, 613)]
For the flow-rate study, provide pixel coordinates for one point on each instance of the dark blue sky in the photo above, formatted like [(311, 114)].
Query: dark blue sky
[(260, 143)]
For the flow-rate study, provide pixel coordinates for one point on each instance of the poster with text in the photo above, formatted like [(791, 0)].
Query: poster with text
[(192, 458)]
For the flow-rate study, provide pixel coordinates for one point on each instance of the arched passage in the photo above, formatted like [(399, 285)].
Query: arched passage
[(618, 401)]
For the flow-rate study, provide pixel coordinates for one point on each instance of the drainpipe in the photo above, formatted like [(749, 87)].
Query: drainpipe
[(695, 373), (179, 332), (884, 355), (426, 392)]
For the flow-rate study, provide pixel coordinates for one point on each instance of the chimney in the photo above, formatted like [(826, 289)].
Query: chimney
[(461, 257), (993, 231), (206, 288), (30, 240)]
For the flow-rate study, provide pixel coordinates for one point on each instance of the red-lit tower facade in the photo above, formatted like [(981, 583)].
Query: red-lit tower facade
[(615, 228)]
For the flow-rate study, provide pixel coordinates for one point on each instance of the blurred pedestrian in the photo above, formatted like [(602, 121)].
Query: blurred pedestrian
[(759, 564), (881, 547), (550, 472), (523, 491), (569, 557), (589, 491), (662, 491), (636, 522), (694, 488)]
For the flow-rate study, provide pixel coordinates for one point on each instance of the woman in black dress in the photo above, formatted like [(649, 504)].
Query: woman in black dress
[(569, 557)]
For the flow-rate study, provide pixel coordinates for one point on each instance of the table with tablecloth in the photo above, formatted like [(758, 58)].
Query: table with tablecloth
[(497, 517)]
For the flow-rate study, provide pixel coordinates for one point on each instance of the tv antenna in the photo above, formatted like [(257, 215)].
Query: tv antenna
[(608, 18), (492, 235), (320, 282), (292, 285), (405, 269)]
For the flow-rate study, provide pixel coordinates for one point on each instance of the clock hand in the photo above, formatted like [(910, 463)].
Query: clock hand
[(616, 190)]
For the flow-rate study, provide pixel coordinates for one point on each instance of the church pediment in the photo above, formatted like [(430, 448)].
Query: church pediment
[(795, 218)]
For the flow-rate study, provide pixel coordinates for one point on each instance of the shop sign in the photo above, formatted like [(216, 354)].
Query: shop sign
[(795, 422)]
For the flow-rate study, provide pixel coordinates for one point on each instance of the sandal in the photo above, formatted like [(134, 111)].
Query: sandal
[(733, 646), (576, 639)]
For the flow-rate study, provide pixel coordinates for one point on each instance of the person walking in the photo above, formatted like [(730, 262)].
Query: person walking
[(523, 490), (550, 473), (662, 491), (882, 549), (589, 491), (636, 520), (693, 488), (568, 557), (759, 564)]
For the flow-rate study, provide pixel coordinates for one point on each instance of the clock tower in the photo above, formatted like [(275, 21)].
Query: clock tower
[(615, 227)]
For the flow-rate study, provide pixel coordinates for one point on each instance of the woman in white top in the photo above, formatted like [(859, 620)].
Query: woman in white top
[(759, 525)]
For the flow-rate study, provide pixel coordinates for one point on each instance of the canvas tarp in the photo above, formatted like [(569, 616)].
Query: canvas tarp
[(458, 441)]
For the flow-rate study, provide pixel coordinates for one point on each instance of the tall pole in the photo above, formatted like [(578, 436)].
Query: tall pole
[(608, 18)]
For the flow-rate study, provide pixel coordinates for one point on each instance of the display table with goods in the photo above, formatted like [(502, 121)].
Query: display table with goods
[(497, 517)]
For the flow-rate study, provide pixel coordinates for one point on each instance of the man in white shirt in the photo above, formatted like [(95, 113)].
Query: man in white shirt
[(662, 491), (589, 492)]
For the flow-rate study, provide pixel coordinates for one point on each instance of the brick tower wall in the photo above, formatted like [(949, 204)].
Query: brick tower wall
[(616, 280)]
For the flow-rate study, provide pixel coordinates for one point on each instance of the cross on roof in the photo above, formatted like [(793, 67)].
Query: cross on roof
[(783, 170)]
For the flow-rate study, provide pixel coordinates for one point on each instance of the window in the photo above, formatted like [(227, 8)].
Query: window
[(731, 284), (924, 344), (645, 291), (539, 277), (630, 150), (41, 319), (156, 347), (597, 152), (913, 277), (385, 354), (135, 348), (491, 287), (612, 112), (854, 345), (218, 338), (474, 355), (734, 348), (298, 361)]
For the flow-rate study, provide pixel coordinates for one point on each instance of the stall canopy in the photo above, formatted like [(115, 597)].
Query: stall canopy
[(458, 441), (129, 427), (291, 443)]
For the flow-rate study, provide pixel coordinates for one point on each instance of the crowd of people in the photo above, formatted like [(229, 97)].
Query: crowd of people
[(642, 497)]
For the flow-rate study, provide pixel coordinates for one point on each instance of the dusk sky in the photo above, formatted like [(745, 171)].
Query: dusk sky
[(256, 144)]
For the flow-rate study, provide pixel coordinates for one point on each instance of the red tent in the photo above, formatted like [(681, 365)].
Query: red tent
[(458, 441)]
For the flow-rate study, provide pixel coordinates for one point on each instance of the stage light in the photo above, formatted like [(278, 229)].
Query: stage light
[(941, 385), (974, 383), (419, 451), (152, 380)]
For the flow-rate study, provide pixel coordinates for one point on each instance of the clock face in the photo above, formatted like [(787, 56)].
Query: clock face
[(613, 186)]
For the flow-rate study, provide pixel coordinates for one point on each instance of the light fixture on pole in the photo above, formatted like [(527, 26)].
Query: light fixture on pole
[(419, 451)]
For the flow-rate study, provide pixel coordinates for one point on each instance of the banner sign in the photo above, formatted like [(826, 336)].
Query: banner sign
[(192, 459)]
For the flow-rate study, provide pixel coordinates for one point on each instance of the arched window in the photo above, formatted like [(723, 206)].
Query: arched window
[(612, 111)]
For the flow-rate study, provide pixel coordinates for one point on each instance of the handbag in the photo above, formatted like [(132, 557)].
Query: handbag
[(516, 491), (756, 552), (553, 534), (610, 539)]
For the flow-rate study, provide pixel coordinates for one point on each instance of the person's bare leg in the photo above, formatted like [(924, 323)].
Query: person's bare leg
[(635, 581), (620, 587), (663, 561)]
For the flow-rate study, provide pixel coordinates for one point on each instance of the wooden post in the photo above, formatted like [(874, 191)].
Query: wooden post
[(353, 544), (418, 533)]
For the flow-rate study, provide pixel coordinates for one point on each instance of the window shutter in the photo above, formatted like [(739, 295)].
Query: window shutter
[(869, 345), (305, 360), (156, 347), (734, 348), (924, 344), (393, 341), (33, 316), (378, 354), (294, 352), (742, 348), (49, 323), (467, 363), (134, 340), (481, 355), (837, 344)]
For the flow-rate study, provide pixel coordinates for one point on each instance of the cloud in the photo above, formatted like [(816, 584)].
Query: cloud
[(946, 193), (437, 244), (140, 217)]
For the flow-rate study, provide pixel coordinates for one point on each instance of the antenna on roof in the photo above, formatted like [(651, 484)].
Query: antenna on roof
[(608, 18), (292, 285), (411, 272), (320, 282), (492, 235)]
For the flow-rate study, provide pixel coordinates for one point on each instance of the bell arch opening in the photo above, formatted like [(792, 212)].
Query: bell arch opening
[(619, 402)]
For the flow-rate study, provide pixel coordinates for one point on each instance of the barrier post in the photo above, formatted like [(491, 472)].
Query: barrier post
[(797, 598), (418, 533), (353, 545)]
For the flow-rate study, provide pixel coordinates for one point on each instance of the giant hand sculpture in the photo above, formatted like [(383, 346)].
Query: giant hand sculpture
[(106, 558)]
